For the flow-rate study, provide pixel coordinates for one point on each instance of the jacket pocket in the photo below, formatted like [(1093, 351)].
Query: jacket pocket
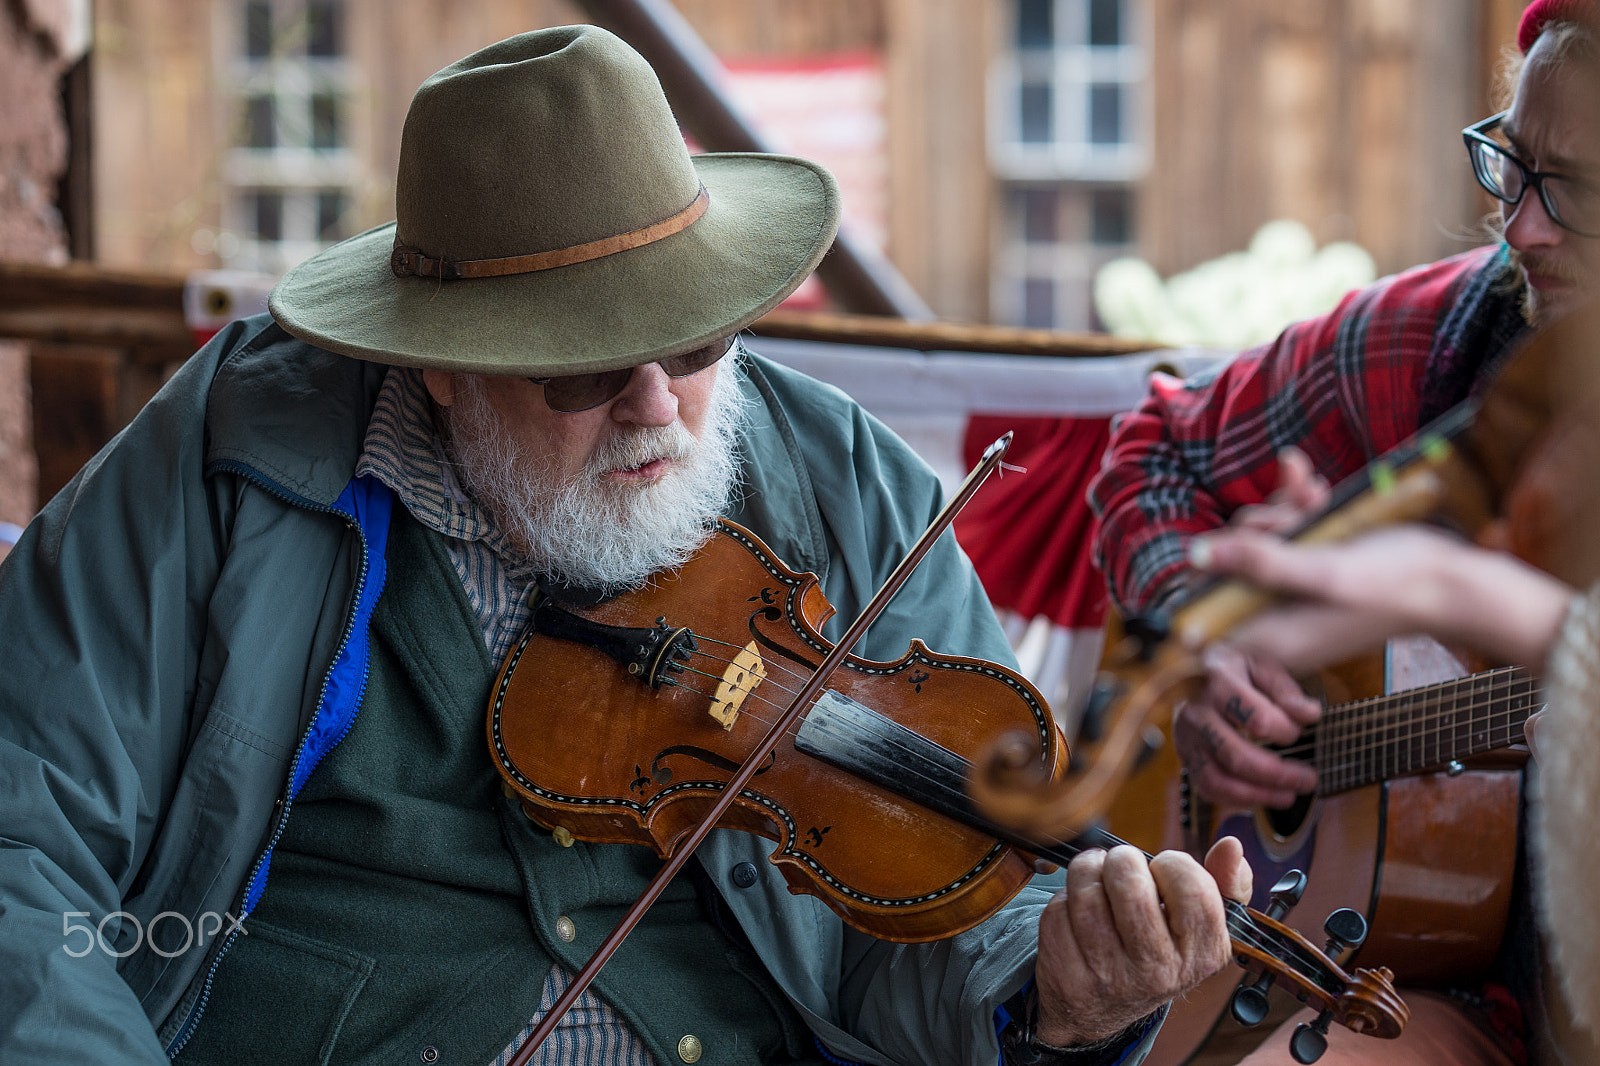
[(279, 997)]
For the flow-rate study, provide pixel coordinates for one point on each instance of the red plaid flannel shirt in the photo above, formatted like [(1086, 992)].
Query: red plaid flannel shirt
[(1344, 388)]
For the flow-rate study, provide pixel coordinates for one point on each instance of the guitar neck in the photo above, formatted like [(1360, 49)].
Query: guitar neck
[(1366, 741)]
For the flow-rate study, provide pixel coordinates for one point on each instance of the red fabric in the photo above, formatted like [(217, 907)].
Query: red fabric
[(1030, 534), (1343, 388), (1540, 12)]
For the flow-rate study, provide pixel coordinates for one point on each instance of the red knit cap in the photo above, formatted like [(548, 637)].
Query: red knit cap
[(1542, 11)]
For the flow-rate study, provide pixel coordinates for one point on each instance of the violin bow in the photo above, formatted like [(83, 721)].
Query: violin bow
[(797, 707)]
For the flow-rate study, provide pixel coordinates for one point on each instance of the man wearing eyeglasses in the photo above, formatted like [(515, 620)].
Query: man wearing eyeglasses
[(249, 810), (1253, 440)]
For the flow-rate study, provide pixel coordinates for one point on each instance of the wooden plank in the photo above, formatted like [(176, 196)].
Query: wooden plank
[(942, 336), (76, 408)]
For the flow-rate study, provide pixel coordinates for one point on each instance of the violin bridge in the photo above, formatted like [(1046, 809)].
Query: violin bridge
[(743, 674)]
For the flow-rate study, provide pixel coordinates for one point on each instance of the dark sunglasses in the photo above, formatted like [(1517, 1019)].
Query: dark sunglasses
[(572, 393)]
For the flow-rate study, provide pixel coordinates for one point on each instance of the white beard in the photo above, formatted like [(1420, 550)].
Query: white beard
[(587, 530)]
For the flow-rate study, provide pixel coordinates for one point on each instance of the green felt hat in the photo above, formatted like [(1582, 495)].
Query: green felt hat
[(551, 221)]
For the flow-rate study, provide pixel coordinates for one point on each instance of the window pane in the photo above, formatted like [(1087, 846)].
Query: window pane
[(1111, 216), (268, 215), (1038, 210), (1105, 114), (258, 131), (1105, 22), (1035, 23), (330, 208), (1035, 117), (325, 131), (324, 28), (1038, 303), (257, 30)]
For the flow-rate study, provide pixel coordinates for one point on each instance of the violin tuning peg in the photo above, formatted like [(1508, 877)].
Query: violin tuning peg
[(1310, 1039), (1150, 630), (1249, 1004), (1092, 720), (1346, 929), (1286, 893), (1150, 742)]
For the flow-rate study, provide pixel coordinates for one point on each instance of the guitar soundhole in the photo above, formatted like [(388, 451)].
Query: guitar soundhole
[(1286, 821)]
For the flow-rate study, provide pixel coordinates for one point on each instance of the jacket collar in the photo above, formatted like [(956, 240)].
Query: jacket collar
[(293, 414)]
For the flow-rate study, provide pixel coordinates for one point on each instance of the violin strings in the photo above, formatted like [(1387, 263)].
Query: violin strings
[(769, 663), (1240, 922), (1242, 926)]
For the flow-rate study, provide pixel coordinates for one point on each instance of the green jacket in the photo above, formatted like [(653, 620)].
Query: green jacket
[(167, 626)]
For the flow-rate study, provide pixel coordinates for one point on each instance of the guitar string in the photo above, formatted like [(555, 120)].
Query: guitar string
[(1418, 708), (1402, 708), (1400, 735)]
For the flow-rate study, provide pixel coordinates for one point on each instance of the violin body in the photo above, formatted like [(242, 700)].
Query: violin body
[(605, 755)]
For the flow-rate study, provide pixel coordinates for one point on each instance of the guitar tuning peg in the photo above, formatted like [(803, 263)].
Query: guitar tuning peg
[(1346, 929), (1286, 893), (1310, 1039)]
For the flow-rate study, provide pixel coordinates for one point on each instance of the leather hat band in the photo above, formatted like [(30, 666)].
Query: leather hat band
[(406, 262)]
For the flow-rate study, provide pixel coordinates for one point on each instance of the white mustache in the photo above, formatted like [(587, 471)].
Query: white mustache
[(634, 448)]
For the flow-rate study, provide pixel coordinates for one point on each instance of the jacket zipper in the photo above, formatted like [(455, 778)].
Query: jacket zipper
[(296, 500)]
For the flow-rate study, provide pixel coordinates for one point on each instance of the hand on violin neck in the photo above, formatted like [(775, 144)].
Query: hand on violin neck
[(1407, 578), (1127, 935), (1247, 700)]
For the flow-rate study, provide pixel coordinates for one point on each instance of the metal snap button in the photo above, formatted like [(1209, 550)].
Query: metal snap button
[(689, 1048), (430, 1054), (565, 929), (744, 874)]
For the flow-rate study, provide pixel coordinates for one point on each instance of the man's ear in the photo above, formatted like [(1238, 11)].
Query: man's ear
[(441, 386)]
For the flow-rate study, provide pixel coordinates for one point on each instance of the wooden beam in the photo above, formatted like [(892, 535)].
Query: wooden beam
[(83, 304)]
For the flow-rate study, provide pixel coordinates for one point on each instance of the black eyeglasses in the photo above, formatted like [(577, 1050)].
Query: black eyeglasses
[(572, 393), (1572, 203)]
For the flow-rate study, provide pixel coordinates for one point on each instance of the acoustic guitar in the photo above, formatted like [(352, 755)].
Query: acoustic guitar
[(1414, 823)]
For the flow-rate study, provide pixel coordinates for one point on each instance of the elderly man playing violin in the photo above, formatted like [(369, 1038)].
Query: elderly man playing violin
[(250, 813), (1249, 443)]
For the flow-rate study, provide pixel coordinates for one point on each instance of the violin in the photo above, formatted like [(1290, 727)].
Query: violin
[(659, 696), (1513, 468)]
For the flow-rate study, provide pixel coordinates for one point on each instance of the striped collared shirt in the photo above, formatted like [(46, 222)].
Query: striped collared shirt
[(403, 450)]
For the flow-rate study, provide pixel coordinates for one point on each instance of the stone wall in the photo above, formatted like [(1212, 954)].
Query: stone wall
[(33, 147)]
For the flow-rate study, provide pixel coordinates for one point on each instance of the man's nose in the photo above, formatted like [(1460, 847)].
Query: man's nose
[(648, 400), (1529, 226)]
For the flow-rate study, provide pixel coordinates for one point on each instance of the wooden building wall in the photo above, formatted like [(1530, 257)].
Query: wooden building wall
[(1343, 114), (162, 133)]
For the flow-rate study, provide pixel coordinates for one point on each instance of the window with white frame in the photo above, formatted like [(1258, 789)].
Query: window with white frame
[(1067, 139), (1067, 97), (289, 173)]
